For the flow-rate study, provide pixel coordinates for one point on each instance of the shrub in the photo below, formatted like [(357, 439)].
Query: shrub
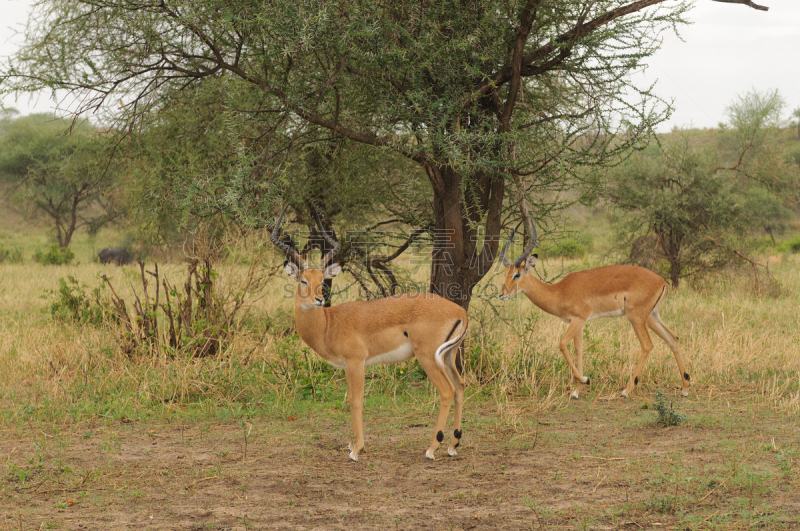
[(790, 246), (574, 246), (55, 256), (73, 304), (195, 321), (667, 414), (10, 256)]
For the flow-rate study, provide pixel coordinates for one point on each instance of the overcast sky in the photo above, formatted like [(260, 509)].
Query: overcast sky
[(729, 50)]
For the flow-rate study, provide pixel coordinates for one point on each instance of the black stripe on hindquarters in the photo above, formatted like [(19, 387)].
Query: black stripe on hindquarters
[(660, 295), (451, 331)]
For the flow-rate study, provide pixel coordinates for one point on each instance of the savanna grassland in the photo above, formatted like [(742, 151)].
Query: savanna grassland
[(255, 437)]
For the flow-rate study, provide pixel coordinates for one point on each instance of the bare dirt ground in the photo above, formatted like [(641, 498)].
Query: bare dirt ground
[(592, 464)]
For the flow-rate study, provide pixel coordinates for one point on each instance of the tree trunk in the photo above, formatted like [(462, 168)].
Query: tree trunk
[(458, 263), (59, 233), (674, 273)]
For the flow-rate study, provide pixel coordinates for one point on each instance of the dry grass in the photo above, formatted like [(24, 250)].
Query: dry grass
[(257, 434), (732, 339)]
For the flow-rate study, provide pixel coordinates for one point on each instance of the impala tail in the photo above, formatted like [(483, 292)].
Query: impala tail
[(450, 342), (445, 359)]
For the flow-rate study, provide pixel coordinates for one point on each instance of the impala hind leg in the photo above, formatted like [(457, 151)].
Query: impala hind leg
[(640, 329), (572, 332), (578, 342), (458, 383), (438, 376), (661, 330), (355, 395)]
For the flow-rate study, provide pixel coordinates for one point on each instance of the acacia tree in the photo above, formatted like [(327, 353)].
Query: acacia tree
[(479, 94), (66, 177), (677, 197), (696, 202)]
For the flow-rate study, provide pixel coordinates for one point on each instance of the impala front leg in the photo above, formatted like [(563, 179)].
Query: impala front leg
[(355, 395)]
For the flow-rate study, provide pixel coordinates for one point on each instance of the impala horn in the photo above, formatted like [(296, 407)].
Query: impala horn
[(287, 249), (336, 246), (526, 252)]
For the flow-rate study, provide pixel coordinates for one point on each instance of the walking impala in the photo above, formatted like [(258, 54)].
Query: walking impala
[(361, 333), (609, 291)]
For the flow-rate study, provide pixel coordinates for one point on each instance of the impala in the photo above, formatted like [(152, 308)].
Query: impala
[(357, 334), (609, 291)]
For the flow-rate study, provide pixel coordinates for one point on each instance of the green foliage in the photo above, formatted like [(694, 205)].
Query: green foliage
[(698, 202), (10, 256), (302, 93), (796, 114), (793, 154), (54, 256), (668, 415), (678, 197), (790, 246), (73, 304), (573, 246), (752, 115), (62, 169), (768, 209), (300, 370)]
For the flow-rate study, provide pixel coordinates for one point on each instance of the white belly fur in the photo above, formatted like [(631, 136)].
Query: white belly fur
[(615, 313), (397, 355), (339, 364)]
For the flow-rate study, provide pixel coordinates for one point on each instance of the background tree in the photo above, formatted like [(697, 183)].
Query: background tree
[(769, 210), (475, 93), (697, 201), (64, 175), (181, 173), (677, 197), (796, 115)]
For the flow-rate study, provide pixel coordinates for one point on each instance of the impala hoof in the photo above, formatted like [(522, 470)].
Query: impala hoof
[(429, 455), (624, 394), (685, 392), (353, 457), (586, 380), (574, 395), (452, 452)]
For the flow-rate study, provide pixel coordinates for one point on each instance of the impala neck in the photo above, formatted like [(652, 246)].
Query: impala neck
[(541, 294), (311, 323)]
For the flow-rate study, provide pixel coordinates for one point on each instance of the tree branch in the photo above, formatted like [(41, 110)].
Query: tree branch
[(745, 2)]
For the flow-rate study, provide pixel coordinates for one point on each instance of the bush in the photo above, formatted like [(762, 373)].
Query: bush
[(10, 256), (790, 246), (667, 415), (73, 304), (55, 256), (793, 154), (574, 246)]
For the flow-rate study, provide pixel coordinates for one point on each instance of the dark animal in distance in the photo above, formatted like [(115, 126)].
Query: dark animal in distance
[(114, 255)]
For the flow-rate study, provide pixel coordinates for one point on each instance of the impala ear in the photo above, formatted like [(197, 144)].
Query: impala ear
[(292, 270), (530, 263), (331, 271)]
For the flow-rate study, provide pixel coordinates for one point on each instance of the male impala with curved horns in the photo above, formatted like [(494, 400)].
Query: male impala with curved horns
[(609, 291), (355, 334)]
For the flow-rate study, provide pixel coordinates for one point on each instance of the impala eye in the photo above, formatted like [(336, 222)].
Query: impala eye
[(304, 282), (515, 277)]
